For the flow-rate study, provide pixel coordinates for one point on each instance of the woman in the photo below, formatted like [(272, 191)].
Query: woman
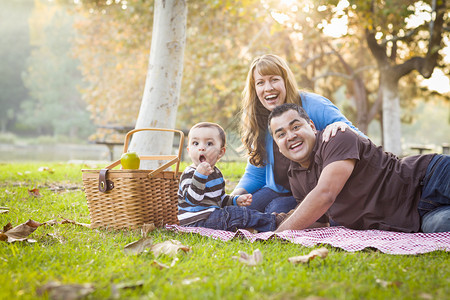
[(270, 83)]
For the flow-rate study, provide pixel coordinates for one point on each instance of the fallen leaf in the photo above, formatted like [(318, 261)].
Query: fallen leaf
[(7, 227), (34, 193), (426, 296), (124, 286), (3, 237), (62, 187), (51, 222), (250, 260), (42, 169), (386, 284), (56, 237), (59, 291), (4, 211), (138, 247), (161, 266), (189, 281), (21, 232), (147, 228), (67, 221), (321, 252), (132, 285), (169, 248)]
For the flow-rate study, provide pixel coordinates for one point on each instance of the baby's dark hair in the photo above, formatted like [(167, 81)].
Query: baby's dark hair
[(223, 136), (281, 109)]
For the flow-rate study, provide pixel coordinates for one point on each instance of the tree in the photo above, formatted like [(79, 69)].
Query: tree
[(113, 46), (401, 46), (14, 49), (55, 105), (162, 87)]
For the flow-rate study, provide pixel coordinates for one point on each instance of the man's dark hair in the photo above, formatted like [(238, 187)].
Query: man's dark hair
[(281, 109)]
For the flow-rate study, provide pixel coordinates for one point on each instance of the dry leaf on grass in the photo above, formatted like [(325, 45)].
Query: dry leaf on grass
[(147, 228), (169, 248), (138, 247), (67, 221), (34, 193), (124, 286), (59, 188), (161, 266), (321, 252), (4, 210), (51, 222), (145, 242), (47, 169), (7, 227), (56, 237), (190, 281), (250, 260), (59, 291), (386, 284), (20, 232)]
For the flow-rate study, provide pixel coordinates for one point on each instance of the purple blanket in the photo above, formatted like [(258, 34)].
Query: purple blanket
[(347, 239)]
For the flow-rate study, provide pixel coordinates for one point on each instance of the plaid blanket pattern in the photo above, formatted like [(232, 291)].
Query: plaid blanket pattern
[(347, 239)]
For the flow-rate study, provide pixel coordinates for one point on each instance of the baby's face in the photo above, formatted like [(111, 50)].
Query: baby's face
[(205, 146)]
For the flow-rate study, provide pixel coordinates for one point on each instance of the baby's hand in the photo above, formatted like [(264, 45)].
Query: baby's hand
[(205, 168), (244, 200)]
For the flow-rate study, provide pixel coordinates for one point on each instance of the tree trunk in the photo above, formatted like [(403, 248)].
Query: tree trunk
[(392, 133), (163, 83)]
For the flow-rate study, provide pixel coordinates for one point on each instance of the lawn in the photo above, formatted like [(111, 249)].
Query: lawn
[(69, 254)]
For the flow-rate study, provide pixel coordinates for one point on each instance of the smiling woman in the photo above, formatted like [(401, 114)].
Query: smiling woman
[(270, 83)]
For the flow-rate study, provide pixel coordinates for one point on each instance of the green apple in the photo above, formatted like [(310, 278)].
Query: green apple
[(130, 160)]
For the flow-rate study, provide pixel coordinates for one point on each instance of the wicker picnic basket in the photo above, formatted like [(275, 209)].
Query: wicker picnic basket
[(130, 198)]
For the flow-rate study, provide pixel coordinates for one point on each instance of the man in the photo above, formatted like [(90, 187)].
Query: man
[(356, 183)]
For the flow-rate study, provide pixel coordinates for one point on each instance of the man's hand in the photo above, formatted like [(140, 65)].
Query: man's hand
[(244, 200), (205, 168)]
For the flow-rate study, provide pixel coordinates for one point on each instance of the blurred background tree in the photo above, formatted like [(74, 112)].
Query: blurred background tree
[(14, 50), (52, 77)]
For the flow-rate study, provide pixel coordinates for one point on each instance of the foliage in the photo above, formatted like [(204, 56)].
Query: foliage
[(114, 59), (114, 56), (94, 260), (52, 78)]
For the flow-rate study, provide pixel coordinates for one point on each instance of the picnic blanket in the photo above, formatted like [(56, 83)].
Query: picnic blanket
[(347, 239)]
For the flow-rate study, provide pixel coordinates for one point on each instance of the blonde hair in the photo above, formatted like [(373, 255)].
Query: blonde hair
[(222, 134), (254, 114)]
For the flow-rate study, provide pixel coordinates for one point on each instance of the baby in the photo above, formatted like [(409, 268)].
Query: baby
[(202, 201)]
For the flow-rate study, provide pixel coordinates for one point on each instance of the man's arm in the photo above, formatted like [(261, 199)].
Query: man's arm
[(318, 201)]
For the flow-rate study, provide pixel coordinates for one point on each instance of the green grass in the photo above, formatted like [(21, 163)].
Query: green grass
[(81, 255)]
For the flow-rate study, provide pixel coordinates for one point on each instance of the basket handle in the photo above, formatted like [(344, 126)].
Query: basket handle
[(172, 158)]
